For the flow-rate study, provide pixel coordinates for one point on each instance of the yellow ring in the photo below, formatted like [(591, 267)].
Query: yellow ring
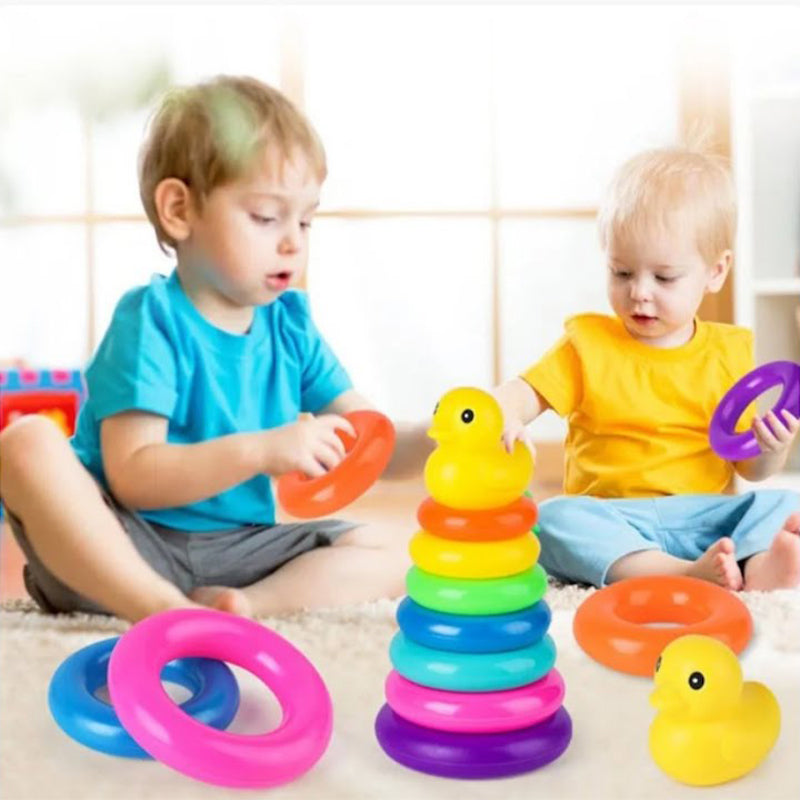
[(458, 559)]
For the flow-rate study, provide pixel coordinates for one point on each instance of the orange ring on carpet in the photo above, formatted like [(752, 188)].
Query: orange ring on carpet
[(611, 625), (482, 525), (366, 458)]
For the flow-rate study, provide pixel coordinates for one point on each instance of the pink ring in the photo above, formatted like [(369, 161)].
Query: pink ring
[(475, 712), (159, 726)]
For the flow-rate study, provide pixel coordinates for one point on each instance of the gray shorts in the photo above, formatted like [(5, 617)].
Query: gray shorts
[(232, 557)]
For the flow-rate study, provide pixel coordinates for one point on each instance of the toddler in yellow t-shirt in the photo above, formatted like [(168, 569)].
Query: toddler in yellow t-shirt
[(643, 487)]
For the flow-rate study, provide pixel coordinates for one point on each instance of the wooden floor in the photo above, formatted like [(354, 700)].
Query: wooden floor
[(397, 501)]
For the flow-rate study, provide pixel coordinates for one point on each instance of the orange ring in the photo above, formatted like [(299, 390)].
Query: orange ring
[(482, 525), (611, 625), (366, 457)]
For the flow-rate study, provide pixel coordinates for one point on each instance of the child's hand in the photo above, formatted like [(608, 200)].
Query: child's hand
[(775, 435), (517, 431), (309, 445)]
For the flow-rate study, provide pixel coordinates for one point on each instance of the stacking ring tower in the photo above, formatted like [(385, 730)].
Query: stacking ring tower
[(474, 692)]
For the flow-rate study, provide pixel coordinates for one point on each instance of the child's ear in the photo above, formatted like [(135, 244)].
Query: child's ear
[(173, 202), (719, 271)]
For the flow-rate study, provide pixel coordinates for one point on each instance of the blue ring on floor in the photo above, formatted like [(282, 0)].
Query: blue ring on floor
[(467, 633), (471, 672), (94, 723)]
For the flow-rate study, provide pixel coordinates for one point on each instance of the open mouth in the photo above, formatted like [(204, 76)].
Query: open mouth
[(643, 319), (278, 280)]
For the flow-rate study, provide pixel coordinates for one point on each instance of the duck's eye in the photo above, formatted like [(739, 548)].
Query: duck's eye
[(467, 415), (658, 663), (696, 680)]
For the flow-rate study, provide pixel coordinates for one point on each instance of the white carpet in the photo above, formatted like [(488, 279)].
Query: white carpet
[(608, 757)]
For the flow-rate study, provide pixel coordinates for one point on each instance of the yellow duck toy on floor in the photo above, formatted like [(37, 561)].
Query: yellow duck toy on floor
[(711, 728), (471, 468)]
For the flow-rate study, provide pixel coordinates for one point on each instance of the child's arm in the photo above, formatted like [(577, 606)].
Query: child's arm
[(145, 471), (775, 445), (521, 404), (412, 445)]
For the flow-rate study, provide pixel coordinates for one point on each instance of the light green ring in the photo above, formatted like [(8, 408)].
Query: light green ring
[(474, 596)]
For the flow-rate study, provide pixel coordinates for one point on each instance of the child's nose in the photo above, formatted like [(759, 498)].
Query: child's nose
[(289, 243), (641, 289)]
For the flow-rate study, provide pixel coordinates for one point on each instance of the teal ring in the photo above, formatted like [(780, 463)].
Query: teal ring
[(472, 672)]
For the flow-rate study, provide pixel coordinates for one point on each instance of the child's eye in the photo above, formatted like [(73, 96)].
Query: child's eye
[(305, 225), (666, 278), (621, 274), (261, 220)]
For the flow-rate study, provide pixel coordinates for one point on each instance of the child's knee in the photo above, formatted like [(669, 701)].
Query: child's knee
[(783, 500), (565, 512), (25, 444)]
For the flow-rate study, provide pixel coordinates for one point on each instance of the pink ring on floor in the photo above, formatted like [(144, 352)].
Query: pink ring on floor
[(163, 730), (475, 712)]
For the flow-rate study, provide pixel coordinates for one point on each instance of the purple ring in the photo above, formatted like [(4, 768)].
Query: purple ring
[(473, 755), (733, 446)]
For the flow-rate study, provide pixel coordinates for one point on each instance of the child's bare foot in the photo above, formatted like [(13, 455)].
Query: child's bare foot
[(778, 567), (222, 598), (718, 565)]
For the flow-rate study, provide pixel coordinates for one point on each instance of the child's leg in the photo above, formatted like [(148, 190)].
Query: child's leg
[(365, 563), (716, 565), (601, 541), (582, 537), (767, 536), (69, 526)]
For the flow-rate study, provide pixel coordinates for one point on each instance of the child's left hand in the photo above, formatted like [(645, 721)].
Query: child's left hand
[(776, 435)]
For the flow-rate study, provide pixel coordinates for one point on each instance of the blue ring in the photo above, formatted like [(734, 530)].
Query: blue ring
[(471, 672), (466, 633), (93, 722)]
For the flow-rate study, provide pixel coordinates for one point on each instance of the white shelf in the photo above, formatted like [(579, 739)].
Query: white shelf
[(766, 150), (777, 286)]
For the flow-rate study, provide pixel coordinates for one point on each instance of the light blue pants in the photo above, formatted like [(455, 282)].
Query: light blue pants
[(583, 536)]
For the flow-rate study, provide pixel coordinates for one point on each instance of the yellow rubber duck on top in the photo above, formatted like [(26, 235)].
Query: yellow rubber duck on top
[(471, 468), (711, 728)]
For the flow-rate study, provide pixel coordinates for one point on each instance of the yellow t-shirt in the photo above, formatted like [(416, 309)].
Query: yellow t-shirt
[(639, 415)]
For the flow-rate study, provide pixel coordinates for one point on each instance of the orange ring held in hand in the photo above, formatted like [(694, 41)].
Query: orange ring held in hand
[(612, 625), (483, 525), (366, 458)]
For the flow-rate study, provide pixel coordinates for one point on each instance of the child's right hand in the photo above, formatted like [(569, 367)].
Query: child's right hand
[(515, 430), (309, 445)]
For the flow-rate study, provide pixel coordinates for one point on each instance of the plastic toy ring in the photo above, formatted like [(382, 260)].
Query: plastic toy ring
[(611, 625), (474, 559), (217, 757), (484, 525), (473, 634), (733, 446), (366, 458), (473, 755), (471, 672), (94, 723), (475, 712), (467, 596)]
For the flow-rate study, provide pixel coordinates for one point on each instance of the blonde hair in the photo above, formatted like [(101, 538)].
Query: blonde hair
[(215, 132), (677, 189)]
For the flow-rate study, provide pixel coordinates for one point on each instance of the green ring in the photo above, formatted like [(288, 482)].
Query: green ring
[(473, 596)]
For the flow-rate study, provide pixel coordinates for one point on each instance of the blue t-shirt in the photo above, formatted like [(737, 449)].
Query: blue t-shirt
[(160, 355)]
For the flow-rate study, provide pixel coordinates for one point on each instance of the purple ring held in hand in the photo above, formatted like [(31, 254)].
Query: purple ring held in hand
[(733, 446), (473, 755)]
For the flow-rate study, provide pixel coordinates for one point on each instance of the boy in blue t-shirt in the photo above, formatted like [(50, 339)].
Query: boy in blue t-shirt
[(163, 498)]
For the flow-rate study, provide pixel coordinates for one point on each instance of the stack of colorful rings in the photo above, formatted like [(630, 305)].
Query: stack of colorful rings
[(474, 692)]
